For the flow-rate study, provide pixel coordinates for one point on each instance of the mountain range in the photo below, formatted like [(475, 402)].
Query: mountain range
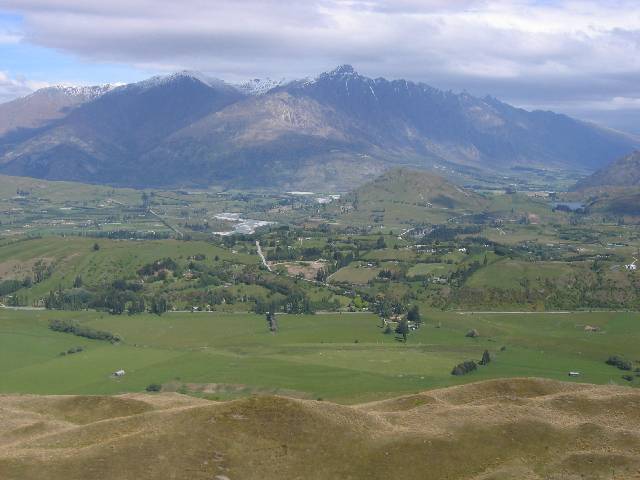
[(623, 172), (330, 132)]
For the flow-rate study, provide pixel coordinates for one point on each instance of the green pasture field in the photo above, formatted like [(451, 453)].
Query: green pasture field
[(437, 269), (508, 273), (340, 357), (355, 273), (391, 254), (396, 216), (74, 256)]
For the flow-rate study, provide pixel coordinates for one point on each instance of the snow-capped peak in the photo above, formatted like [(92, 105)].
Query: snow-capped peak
[(342, 70), (259, 86), (165, 79), (83, 91)]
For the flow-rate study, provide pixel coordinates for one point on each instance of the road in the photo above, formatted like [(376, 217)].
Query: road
[(161, 218), (264, 260), (20, 308)]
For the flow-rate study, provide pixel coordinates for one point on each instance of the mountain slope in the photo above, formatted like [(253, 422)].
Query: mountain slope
[(101, 141), (273, 139), (416, 120), (624, 172), (333, 131), (512, 428), (45, 105)]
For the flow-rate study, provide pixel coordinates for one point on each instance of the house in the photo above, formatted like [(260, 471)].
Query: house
[(188, 275), (118, 373), (574, 374)]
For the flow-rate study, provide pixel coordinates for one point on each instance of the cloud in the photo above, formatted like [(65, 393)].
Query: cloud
[(524, 51), (11, 88)]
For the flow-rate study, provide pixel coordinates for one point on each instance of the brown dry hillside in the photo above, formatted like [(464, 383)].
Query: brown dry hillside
[(499, 429)]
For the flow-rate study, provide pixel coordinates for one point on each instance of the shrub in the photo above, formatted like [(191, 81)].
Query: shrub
[(9, 286), (473, 333), (619, 362), (153, 387), (486, 358), (464, 368)]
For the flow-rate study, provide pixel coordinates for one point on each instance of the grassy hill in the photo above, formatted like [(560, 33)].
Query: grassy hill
[(73, 256), (402, 196), (516, 428), (420, 188)]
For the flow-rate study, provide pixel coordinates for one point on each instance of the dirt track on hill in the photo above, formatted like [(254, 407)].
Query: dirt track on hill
[(498, 429)]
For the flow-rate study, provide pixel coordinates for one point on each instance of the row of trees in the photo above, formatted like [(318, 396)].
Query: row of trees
[(74, 328), (113, 300)]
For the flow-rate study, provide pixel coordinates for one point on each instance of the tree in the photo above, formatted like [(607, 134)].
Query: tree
[(77, 282), (486, 358), (321, 275), (413, 315), (146, 200), (384, 308), (403, 329), (96, 247), (115, 302), (272, 322), (136, 306), (159, 305), (380, 243), (40, 271), (359, 303)]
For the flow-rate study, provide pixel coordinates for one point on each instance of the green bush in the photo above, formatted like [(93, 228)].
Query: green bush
[(464, 368), (619, 362)]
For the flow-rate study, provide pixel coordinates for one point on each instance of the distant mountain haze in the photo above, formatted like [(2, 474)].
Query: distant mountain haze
[(624, 172), (331, 132)]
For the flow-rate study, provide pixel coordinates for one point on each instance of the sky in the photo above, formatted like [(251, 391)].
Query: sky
[(576, 57)]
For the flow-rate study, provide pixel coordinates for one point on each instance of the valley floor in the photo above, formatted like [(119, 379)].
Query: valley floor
[(346, 358)]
